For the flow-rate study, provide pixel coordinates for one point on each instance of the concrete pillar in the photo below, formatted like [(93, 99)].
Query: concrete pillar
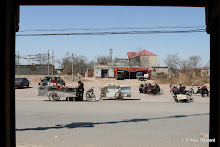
[(7, 105), (214, 29)]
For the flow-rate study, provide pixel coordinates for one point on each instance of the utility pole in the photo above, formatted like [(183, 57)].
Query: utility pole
[(111, 55), (72, 68), (48, 62), (18, 63), (52, 63)]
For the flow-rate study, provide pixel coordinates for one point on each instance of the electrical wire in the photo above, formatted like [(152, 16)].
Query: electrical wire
[(114, 33), (111, 28)]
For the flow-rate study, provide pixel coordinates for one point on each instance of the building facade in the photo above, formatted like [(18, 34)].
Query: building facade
[(143, 59), (104, 71), (135, 62)]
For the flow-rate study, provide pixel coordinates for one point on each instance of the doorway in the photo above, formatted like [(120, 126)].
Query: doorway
[(104, 73)]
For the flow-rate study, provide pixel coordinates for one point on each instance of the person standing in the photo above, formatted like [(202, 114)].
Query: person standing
[(80, 90)]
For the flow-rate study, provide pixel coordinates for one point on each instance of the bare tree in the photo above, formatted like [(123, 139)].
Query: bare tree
[(65, 63), (80, 64), (208, 64), (195, 61), (173, 61), (103, 59), (91, 64), (185, 67)]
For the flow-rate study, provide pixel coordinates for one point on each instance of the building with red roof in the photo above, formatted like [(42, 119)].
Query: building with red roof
[(135, 62), (131, 55), (143, 58)]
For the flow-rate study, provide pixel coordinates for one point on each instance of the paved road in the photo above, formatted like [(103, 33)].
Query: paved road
[(40, 122)]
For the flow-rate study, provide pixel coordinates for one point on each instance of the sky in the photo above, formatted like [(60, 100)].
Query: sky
[(81, 19)]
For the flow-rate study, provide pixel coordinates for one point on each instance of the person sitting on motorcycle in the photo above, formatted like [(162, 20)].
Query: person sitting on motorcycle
[(149, 85), (144, 89), (182, 89), (204, 91), (141, 88), (148, 89), (157, 87)]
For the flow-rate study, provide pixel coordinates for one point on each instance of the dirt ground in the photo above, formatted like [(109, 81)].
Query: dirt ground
[(34, 79), (32, 92)]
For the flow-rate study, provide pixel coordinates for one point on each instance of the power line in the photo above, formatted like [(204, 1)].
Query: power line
[(117, 33), (36, 57), (111, 28)]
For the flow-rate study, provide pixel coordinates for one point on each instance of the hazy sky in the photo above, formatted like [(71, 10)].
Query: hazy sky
[(73, 18)]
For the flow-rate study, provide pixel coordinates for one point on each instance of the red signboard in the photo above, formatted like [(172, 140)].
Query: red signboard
[(131, 69)]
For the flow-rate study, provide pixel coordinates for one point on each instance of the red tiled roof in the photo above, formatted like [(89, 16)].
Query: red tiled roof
[(134, 54), (131, 54)]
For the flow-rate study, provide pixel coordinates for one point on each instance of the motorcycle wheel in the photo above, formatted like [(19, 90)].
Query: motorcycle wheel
[(118, 96), (54, 96), (161, 91)]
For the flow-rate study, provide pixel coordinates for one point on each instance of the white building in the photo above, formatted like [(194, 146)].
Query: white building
[(104, 71)]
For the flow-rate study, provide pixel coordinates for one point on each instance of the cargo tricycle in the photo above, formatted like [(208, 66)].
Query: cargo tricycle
[(118, 92)]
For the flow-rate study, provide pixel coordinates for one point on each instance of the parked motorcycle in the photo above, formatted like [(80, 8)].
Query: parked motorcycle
[(198, 90), (154, 89), (176, 90), (90, 96)]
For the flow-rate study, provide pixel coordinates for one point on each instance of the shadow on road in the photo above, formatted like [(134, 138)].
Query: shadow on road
[(92, 124), (23, 87)]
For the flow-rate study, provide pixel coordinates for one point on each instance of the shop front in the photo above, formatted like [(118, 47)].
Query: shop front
[(130, 72), (104, 71)]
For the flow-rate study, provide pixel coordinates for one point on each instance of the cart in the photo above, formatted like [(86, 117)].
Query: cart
[(112, 91), (182, 98), (56, 93)]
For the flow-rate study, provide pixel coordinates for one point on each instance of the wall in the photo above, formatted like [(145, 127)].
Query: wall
[(98, 71), (33, 69), (89, 72), (111, 73), (160, 72), (148, 61), (161, 69), (205, 72), (135, 61)]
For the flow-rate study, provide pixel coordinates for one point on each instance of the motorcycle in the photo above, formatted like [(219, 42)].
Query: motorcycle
[(199, 90), (154, 89), (90, 96), (176, 90)]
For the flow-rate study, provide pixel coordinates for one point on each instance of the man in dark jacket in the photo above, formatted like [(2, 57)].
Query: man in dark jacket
[(204, 91), (140, 88), (80, 90), (144, 88)]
